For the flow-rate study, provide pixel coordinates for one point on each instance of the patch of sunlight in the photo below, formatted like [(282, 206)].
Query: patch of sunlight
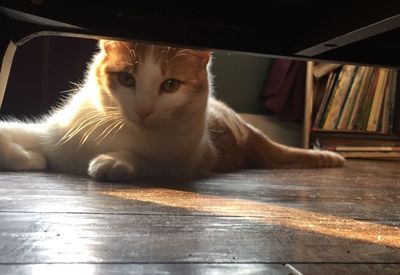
[(268, 213)]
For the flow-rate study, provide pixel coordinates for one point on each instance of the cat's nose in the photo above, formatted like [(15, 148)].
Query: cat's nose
[(143, 113)]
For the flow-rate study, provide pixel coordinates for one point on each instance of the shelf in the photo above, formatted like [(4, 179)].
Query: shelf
[(352, 132), (359, 140)]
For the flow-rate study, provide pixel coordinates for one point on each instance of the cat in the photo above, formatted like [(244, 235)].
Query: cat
[(146, 111)]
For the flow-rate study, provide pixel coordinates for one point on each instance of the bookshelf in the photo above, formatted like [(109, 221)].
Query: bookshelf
[(352, 110)]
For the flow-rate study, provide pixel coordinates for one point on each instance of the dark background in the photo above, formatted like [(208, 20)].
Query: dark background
[(41, 72)]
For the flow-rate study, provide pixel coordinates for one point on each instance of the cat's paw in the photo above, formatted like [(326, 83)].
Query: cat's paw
[(108, 168), (330, 159)]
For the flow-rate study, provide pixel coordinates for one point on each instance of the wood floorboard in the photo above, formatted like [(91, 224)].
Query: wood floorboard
[(348, 269), (339, 192), (317, 221), (190, 268), (143, 238), (17, 200), (176, 269)]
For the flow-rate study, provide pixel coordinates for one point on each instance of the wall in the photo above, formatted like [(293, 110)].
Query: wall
[(239, 82)]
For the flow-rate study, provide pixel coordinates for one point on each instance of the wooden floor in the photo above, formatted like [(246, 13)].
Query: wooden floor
[(329, 221)]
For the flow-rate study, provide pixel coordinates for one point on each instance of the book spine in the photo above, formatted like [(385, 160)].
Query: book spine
[(324, 68), (370, 154), (396, 113), (337, 100), (330, 99), (351, 100), (322, 106), (393, 100), (384, 120), (363, 148), (360, 98), (366, 108), (346, 96), (376, 104)]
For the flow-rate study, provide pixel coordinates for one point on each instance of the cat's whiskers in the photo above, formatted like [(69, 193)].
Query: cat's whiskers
[(76, 127), (118, 124), (99, 137), (86, 135), (103, 120), (123, 123), (76, 89), (89, 122), (86, 117)]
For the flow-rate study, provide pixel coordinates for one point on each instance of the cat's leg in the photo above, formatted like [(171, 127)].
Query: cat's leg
[(128, 165), (246, 145), (262, 152), (122, 166), (114, 166), (19, 148)]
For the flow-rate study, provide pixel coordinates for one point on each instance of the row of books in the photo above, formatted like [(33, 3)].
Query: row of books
[(356, 111), (357, 98), (358, 145)]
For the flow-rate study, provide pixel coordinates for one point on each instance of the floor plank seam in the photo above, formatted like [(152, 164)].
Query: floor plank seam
[(174, 215), (202, 262), (134, 214)]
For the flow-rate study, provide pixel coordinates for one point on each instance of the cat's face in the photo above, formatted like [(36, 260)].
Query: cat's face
[(152, 84)]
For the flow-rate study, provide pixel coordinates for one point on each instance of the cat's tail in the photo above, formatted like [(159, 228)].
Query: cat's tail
[(262, 152)]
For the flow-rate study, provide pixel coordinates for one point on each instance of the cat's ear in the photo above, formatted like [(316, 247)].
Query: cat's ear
[(108, 46), (203, 55)]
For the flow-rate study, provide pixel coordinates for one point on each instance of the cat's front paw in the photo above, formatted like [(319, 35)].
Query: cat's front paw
[(105, 167)]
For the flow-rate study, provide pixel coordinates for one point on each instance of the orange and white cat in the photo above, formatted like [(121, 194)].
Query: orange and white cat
[(146, 111)]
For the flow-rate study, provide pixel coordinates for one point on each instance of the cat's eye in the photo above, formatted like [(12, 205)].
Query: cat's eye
[(170, 86), (126, 79)]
